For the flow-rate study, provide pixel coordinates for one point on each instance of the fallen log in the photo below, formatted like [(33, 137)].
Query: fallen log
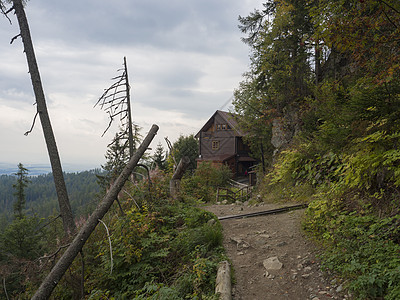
[(52, 279)]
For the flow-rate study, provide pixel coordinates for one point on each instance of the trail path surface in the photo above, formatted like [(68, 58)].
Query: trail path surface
[(271, 257)]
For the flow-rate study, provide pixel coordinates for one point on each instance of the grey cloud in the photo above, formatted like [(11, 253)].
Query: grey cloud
[(186, 25), (182, 57)]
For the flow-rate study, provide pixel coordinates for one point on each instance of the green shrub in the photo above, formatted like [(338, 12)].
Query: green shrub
[(359, 247), (171, 252), (203, 183)]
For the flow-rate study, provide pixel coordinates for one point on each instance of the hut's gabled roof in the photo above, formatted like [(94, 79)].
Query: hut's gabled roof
[(230, 118)]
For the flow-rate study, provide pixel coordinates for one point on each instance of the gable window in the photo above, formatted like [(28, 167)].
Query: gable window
[(215, 145), (223, 127)]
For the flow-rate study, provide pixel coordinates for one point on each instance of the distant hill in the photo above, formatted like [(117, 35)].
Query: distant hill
[(41, 197), (40, 169)]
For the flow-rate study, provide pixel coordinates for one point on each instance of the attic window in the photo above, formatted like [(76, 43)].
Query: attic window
[(215, 145), (223, 127)]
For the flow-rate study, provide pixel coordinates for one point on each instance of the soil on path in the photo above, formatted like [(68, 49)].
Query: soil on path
[(278, 239)]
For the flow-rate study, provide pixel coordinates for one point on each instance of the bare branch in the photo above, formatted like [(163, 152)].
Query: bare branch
[(4, 287), (105, 94), (5, 13), (47, 257), (122, 77), (170, 147), (387, 17), (14, 38), (109, 241), (115, 99), (109, 125), (387, 4), (132, 199), (48, 223), (33, 124), (111, 95), (10, 10)]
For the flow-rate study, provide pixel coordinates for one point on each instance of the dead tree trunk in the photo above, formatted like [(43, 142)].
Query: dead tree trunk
[(128, 102), (174, 184), (72, 251), (65, 208)]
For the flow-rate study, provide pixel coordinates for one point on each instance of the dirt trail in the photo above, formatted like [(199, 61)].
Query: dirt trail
[(271, 257)]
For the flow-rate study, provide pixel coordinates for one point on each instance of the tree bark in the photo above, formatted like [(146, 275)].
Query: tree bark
[(72, 251), (174, 184), (65, 207)]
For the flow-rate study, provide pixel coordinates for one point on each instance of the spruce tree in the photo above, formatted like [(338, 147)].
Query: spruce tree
[(22, 183), (159, 157), (117, 156)]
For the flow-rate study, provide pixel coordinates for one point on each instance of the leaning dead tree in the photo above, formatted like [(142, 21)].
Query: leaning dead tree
[(65, 208), (175, 182), (79, 241), (116, 102)]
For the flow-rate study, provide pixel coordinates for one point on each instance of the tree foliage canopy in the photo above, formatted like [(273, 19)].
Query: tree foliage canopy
[(325, 75)]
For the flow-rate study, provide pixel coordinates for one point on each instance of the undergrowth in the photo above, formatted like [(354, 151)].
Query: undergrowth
[(160, 249), (353, 210)]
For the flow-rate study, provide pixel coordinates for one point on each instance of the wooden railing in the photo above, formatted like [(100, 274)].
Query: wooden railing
[(237, 192)]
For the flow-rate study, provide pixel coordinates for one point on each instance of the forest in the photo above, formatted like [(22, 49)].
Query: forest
[(41, 196), (320, 105)]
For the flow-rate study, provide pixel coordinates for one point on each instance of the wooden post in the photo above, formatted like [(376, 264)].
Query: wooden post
[(174, 184), (223, 283)]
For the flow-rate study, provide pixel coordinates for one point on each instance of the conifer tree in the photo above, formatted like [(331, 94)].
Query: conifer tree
[(159, 157), (22, 182), (284, 68), (117, 156)]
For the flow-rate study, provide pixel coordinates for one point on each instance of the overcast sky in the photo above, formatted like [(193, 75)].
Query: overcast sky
[(185, 58)]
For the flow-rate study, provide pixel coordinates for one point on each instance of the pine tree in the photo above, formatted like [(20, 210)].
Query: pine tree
[(117, 156), (22, 183), (159, 157), (272, 97)]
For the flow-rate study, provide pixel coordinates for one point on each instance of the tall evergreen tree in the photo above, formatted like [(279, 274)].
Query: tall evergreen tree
[(117, 156), (278, 83), (159, 157), (22, 182)]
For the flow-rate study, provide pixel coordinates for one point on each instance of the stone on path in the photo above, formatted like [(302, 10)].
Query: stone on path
[(272, 263)]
